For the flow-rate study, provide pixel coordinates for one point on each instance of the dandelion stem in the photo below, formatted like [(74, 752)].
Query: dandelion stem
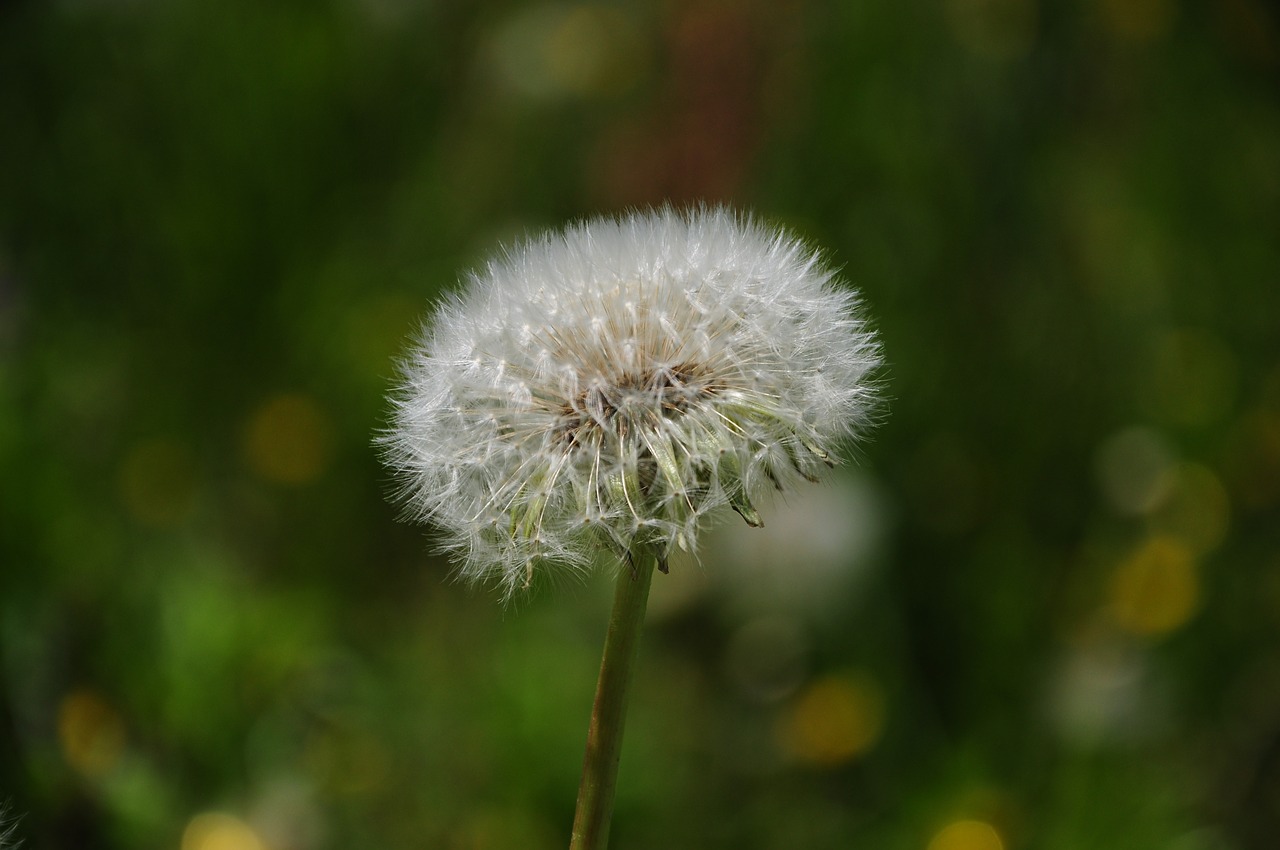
[(609, 714)]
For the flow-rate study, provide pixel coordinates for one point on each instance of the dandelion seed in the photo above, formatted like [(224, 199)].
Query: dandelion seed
[(621, 382)]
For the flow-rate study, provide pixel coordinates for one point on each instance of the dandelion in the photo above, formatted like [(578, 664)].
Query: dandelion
[(617, 384), (611, 388)]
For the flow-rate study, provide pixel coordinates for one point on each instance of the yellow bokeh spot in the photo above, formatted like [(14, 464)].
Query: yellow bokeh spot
[(1191, 378), (589, 52), (220, 831), (157, 482), (1195, 511), (834, 720), (994, 29), (967, 835), (91, 733), (1156, 589), (553, 50), (1137, 20), (289, 440)]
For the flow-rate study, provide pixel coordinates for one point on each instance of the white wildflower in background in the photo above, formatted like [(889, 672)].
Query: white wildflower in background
[(616, 383)]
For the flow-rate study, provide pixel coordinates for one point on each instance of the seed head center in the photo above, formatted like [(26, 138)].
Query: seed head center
[(617, 404)]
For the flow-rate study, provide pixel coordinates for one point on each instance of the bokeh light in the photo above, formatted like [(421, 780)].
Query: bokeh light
[(555, 50), (91, 731), (1192, 379), (220, 831), (1156, 589), (288, 440), (1135, 470), (833, 720), (1196, 510), (994, 29), (1139, 21), (967, 835)]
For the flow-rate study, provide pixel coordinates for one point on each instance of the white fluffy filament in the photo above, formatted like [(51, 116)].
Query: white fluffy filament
[(616, 383)]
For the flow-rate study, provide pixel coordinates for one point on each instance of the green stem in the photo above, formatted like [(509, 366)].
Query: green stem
[(604, 736)]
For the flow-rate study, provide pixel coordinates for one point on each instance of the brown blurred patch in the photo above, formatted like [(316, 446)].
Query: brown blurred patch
[(704, 123)]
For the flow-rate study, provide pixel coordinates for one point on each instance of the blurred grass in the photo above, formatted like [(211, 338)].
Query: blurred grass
[(1041, 613)]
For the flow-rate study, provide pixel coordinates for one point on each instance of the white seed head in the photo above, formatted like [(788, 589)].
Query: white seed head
[(616, 383)]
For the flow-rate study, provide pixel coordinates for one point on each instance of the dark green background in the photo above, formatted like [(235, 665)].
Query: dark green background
[(220, 222)]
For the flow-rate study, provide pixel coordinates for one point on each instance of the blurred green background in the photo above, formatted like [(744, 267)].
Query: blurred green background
[(1039, 612)]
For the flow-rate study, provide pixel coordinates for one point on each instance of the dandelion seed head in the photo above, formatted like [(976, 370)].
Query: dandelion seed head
[(618, 383)]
